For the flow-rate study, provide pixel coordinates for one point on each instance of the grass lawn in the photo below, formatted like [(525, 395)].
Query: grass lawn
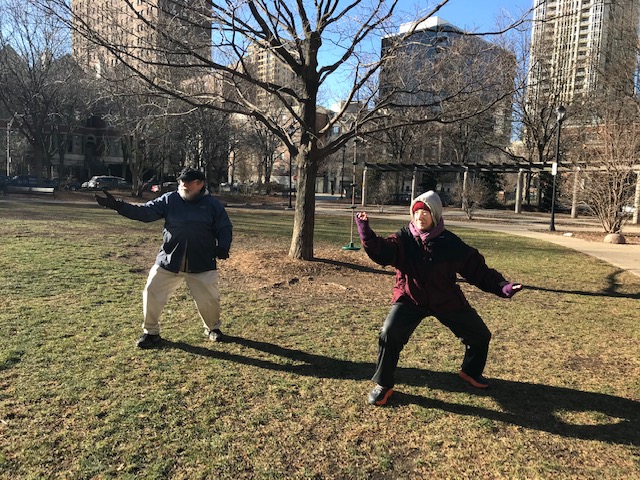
[(285, 396)]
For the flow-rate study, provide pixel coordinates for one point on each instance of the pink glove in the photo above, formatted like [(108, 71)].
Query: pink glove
[(510, 289), (362, 223)]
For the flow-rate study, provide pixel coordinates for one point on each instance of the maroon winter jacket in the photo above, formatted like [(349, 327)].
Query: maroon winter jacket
[(426, 274)]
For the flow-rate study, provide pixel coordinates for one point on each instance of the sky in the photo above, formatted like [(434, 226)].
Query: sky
[(469, 15), (472, 15)]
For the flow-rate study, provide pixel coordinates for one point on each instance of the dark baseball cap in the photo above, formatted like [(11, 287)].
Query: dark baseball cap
[(191, 174)]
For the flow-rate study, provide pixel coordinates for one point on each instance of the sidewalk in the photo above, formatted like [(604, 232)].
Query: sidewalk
[(528, 224), (533, 225), (626, 257)]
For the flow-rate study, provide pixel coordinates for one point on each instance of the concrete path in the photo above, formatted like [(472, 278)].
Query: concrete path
[(532, 225), (626, 257)]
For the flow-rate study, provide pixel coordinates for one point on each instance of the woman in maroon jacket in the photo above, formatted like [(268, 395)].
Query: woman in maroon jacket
[(427, 259)]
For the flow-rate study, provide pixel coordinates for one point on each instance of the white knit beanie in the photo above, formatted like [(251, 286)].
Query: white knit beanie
[(433, 203)]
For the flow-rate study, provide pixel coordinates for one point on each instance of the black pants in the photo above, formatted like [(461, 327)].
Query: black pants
[(403, 319)]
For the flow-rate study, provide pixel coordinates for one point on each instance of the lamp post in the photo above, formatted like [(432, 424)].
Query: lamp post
[(8, 145), (290, 131), (344, 151), (560, 114), (351, 246)]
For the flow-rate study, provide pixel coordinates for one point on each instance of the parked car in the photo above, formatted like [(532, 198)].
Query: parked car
[(24, 180), (71, 184), (165, 187), (109, 182), (398, 199)]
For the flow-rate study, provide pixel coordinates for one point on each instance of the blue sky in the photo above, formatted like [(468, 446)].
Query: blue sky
[(471, 15)]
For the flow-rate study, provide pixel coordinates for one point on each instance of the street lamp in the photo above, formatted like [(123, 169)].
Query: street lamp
[(560, 114), (290, 131), (8, 145), (351, 246), (344, 151)]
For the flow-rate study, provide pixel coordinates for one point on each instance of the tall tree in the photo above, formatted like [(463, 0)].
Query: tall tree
[(41, 88), (312, 42), (607, 152)]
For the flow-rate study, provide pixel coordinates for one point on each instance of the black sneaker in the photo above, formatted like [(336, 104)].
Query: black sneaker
[(478, 381), (215, 335), (379, 395), (148, 340)]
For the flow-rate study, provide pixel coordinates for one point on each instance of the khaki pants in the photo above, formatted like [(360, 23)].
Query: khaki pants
[(161, 284)]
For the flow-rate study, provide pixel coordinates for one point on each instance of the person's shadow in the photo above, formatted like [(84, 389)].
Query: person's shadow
[(558, 410)]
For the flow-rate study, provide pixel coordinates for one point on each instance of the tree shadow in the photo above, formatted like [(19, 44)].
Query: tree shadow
[(354, 266), (558, 410), (613, 283)]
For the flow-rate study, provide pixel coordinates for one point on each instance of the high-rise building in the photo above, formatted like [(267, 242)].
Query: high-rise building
[(266, 67), (407, 78), (435, 69), (142, 32), (578, 47)]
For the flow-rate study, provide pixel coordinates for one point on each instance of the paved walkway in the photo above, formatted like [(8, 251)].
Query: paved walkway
[(534, 225), (626, 257)]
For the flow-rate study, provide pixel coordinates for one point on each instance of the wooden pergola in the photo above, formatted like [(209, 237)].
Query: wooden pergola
[(519, 168)]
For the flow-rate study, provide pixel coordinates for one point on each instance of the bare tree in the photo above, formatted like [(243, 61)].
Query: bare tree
[(138, 118), (266, 147), (41, 88), (474, 195), (610, 150), (206, 133), (296, 34)]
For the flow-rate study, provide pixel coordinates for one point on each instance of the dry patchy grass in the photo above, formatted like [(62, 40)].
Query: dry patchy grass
[(284, 396)]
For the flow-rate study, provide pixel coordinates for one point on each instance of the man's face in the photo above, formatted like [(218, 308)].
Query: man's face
[(190, 190), (422, 219)]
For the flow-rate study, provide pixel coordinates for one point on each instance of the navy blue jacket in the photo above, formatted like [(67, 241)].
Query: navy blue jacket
[(192, 228)]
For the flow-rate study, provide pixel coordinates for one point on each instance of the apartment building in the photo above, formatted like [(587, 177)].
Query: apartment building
[(265, 66), (141, 33), (435, 66), (577, 46)]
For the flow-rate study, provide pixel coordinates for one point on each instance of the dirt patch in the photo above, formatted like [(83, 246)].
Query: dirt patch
[(333, 272)]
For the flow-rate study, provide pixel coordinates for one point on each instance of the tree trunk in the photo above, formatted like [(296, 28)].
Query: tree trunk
[(39, 159), (304, 216)]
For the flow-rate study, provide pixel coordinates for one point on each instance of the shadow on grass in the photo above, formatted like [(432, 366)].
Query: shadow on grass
[(609, 292), (356, 267), (530, 405)]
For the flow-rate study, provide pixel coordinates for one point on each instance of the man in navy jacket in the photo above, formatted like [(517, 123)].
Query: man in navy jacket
[(197, 230)]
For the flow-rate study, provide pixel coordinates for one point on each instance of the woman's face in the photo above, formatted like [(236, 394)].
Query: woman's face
[(423, 220)]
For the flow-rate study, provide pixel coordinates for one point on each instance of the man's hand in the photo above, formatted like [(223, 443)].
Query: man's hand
[(222, 253), (109, 201)]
